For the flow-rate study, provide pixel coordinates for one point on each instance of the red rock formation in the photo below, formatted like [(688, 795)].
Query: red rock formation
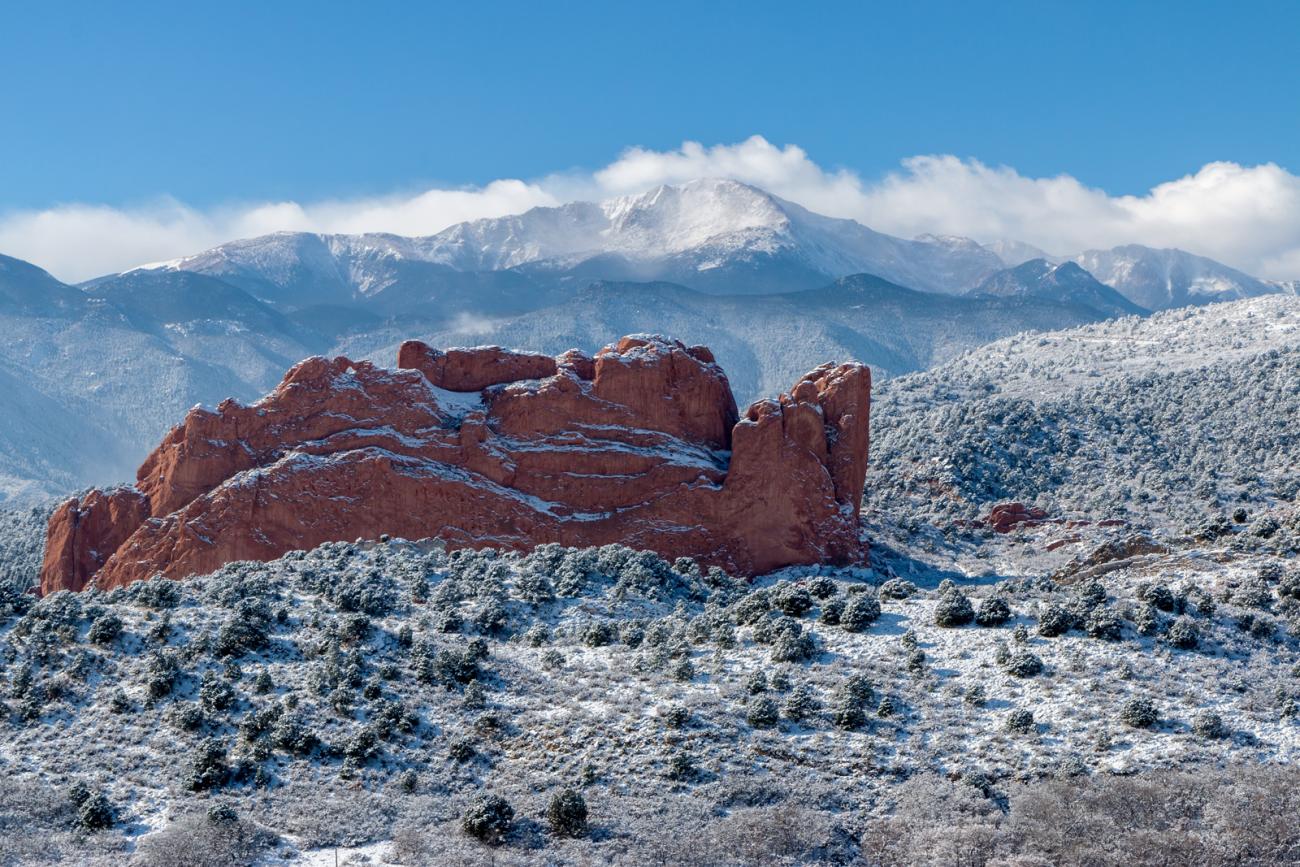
[(640, 445), (1005, 517), (85, 531)]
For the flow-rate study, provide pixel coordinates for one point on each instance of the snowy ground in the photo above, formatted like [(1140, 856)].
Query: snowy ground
[(425, 681)]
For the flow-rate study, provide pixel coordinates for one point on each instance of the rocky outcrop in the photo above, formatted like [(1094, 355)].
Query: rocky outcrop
[(641, 445), (1005, 517)]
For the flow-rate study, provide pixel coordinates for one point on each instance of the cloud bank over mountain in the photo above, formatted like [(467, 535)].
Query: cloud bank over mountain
[(1246, 216)]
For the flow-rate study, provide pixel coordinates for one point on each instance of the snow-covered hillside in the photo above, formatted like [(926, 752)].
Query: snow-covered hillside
[(765, 343), (1178, 416), (605, 707)]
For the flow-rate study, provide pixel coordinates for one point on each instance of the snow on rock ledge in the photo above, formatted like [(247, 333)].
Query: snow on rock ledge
[(641, 445)]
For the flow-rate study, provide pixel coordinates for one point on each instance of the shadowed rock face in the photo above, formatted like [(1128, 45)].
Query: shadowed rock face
[(641, 445)]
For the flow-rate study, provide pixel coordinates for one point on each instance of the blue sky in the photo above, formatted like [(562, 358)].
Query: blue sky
[(213, 102), (145, 133)]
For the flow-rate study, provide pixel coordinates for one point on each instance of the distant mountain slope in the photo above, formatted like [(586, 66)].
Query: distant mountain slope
[(1163, 279), (765, 342), (30, 291), (1179, 415), (1066, 282), (91, 379), (713, 235)]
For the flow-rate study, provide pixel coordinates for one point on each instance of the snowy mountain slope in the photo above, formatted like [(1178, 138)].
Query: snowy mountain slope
[(1170, 418), (1013, 253), (713, 235), (30, 291), (1067, 282), (50, 446), (91, 378), (1162, 279), (763, 342)]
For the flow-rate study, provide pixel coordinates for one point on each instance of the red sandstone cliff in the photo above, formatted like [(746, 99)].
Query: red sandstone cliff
[(483, 447)]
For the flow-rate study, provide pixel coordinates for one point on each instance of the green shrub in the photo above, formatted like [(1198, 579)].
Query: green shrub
[(993, 611), (792, 600), (567, 814), (794, 648), (833, 610), (488, 818), (762, 712), (675, 716), (860, 611), (848, 715), (954, 609), (1183, 634), (800, 703), (208, 768), (1020, 721), (1209, 725), (1139, 713), (1022, 663), (1102, 623), (821, 587), (95, 813), (105, 629), (897, 588), (1054, 620), (461, 749)]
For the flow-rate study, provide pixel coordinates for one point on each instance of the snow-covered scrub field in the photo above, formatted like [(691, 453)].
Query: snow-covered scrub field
[(1167, 421), (966, 699)]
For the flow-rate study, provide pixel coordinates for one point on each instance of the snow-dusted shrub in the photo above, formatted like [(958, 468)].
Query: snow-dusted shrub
[(208, 769), (860, 611), (848, 714), (821, 587), (1022, 663), (1253, 594), (1020, 721), (953, 609), (682, 671), (916, 660), (897, 588), (1209, 725), (773, 628), (800, 703), (794, 648), (534, 587), (461, 749), (158, 593), (567, 814), (1183, 634), (215, 692), (832, 610), (1139, 713), (488, 818), (1103, 623), (105, 629), (791, 599), (762, 712), (751, 608), (675, 716), (1054, 620), (993, 611), (756, 682), (680, 766)]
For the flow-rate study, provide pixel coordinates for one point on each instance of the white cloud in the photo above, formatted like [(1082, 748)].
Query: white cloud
[(1246, 216)]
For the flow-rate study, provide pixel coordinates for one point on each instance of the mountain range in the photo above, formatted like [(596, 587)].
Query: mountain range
[(95, 373)]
